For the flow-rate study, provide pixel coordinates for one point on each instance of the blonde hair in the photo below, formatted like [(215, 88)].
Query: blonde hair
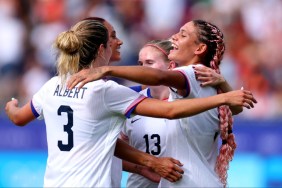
[(78, 47)]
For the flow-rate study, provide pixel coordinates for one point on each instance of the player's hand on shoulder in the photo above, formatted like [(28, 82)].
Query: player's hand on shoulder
[(84, 76), (208, 76)]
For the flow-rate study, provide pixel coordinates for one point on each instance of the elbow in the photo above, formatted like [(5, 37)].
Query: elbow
[(18, 122), (171, 114)]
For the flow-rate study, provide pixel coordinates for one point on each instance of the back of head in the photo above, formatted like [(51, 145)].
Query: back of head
[(210, 35), (78, 47), (163, 45)]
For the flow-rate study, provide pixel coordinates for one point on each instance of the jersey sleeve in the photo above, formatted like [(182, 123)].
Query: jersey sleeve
[(192, 85), (121, 99), (136, 88), (38, 101), (124, 131)]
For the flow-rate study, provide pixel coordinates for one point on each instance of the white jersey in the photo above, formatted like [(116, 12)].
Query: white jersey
[(116, 172), (193, 140), (117, 162), (82, 128), (148, 135)]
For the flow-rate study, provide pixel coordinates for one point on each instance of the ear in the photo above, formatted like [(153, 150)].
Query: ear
[(172, 65), (202, 48), (101, 50)]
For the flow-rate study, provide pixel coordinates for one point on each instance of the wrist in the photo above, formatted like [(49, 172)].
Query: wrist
[(222, 82), (138, 169), (106, 71), (223, 99), (149, 161)]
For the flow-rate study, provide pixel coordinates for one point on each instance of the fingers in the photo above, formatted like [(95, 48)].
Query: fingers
[(176, 173), (207, 83), (14, 101), (250, 96), (249, 100), (202, 74), (174, 176), (248, 104), (75, 80), (172, 172), (177, 162), (72, 82), (201, 68), (203, 78)]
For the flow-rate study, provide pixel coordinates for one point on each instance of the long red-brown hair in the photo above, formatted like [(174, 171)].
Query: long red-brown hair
[(210, 35)]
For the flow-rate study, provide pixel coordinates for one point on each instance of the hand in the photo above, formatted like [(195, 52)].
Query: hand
[(168, 168), (208, 76), (149, 174), (240, 98), (11, 106), (84, 76)]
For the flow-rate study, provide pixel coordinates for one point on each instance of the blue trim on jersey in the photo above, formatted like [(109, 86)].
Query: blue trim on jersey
[(128, 114), (133, 106), (136, 88), (149, 93), (33, 110)]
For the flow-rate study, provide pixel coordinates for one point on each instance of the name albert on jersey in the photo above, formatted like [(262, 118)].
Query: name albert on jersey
[(70, 93)]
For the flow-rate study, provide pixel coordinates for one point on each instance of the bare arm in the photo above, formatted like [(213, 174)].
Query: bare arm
[(166, 167), (19, 116), (139, 74), (141, 170), (209, 77), (189, 107)]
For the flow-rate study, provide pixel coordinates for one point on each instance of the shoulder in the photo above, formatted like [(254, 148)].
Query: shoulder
[(185, 68), (145, 92)]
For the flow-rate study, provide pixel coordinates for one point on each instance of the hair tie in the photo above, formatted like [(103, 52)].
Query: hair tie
[(224, 142), (159, 48)]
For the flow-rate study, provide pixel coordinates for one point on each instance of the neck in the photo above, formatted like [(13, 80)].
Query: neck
[(194, 61), (159, 92), (98, 63)]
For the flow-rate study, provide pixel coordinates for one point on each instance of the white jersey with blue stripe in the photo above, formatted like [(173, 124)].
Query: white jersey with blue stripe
[(148, 135), (117, 163), (193, 140), (82, 128)]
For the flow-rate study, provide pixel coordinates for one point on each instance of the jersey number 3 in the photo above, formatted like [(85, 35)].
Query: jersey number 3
[(67, 128)]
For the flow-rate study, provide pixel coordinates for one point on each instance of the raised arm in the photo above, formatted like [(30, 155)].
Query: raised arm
[(189, 107), (19, 115), (166, 167), (139, 74)]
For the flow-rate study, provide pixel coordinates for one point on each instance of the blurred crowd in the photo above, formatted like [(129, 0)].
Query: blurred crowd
[(252, 29)]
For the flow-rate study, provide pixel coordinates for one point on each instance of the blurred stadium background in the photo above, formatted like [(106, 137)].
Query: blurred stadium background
[(253, 59)]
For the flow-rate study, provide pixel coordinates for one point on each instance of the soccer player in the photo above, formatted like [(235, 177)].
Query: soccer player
[(146, 133), (83, 125), (193, 140)]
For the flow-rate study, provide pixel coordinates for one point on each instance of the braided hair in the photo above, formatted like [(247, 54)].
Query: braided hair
[(210, 35)]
